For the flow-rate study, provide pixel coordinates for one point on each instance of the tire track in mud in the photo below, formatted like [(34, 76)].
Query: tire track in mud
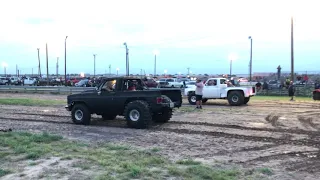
[(303, 154), (279, 130), (246, 149), (274, 143), (279, 141)]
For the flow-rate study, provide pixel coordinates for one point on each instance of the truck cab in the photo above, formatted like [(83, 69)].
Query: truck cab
[(217, 88)]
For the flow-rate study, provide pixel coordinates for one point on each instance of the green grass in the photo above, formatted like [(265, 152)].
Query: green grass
[(188, 162), (4, 172), (265, 171), (30, 102), (113, 160), (279, 98)]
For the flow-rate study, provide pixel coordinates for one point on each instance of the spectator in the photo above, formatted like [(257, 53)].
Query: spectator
[(258, 85), (291, 90), (199, 93)]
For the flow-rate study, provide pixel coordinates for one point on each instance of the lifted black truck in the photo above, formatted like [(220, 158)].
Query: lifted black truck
[(124, 96)]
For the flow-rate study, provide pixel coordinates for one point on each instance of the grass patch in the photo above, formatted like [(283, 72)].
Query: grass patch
[(4, 172), (265, 171), (188, 162), (115, 161), (30, 102), (279, 98)]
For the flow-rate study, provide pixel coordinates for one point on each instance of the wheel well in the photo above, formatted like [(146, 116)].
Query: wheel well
[(191, 92), (236, 91), (78, 102)]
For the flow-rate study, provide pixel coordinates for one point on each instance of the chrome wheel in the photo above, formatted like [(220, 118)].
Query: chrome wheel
[(78, 115), (193, 99), (235, 99), (134, 115)]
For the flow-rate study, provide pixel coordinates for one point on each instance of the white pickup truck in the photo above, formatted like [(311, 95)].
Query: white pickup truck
[(29, 81), (216, 88)]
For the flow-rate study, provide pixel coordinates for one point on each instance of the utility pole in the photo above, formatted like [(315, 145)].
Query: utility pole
[(250, 77), (65, 61), (230, 68), (57, 65), (188, 71), (292, 55), (16, 69), (94, 65), (39, 67), (47, 64), (32, 72), (109, 69), (155, 65), (127, 58)]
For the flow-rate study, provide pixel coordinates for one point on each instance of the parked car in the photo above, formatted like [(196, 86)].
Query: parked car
[(83, 83), (170, 82), (4, 81), (274, 84), (151, 83), (15, 81), (30, 81)]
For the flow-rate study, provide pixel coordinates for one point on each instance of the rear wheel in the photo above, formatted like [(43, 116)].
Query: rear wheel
[(316, 96), (162, 117), (81, 114), (246, 100), (235, 98), (192, 99), (137, 114)]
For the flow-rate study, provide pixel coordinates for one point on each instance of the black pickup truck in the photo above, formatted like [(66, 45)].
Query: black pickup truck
[(124, 96)]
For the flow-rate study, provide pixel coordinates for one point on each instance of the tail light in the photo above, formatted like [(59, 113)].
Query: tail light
[(253, 89), (159, 100)]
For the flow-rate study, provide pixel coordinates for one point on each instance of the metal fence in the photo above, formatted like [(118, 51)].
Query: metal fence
[(44, 89), (300, 90)]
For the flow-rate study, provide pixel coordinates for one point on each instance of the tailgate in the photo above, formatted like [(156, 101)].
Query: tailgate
[(174, 94)]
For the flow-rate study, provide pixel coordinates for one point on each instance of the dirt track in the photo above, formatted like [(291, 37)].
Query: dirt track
[(283, 136)]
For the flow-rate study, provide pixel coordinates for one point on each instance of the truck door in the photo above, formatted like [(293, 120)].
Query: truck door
[(211, 89), (104, 99)]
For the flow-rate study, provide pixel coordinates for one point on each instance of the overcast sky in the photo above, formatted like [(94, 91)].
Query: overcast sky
[(197, 34)]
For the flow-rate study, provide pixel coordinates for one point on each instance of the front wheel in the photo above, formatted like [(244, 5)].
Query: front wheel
[(235, 98), (137, 114), (81, 114), (192, 99), (246, 100)]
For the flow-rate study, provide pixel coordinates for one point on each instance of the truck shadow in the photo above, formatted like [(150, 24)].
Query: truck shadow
[(119, 122)]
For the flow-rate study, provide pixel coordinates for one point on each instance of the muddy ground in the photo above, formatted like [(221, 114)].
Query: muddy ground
[(281, 135)]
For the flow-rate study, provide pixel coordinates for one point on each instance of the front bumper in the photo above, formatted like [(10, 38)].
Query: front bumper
[(68, 107)]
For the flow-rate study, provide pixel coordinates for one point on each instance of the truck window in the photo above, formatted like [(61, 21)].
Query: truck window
[(212, 82), (170, 80), (222, 81), (109, 85)]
